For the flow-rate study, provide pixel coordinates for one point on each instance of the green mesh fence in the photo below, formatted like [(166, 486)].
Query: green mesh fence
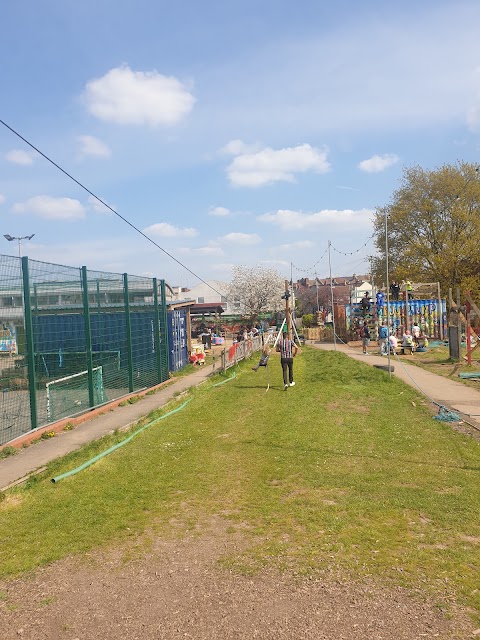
[(14, 399), (73, 339)]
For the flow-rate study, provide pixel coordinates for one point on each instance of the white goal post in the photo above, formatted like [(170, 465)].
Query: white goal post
[(69, 395)]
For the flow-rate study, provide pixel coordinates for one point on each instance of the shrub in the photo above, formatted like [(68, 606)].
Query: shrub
[(307, 320)]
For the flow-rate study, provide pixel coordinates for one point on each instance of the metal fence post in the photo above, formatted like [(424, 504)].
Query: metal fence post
[(88, 337), (164, 318), (30, 351), (128, 326), (158, 347)]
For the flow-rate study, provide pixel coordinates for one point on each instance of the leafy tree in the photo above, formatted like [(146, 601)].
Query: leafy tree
[(257, 289), (433, 223), (307, 320)]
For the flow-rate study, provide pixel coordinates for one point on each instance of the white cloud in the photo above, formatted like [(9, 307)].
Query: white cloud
[(376, 163), (237, 147), (204, 251), (17, 156), (124, 96), (241, 238), (209, 251), (97, 206), (298, 221), (275, 263), (91, 146), (166, 230), (219, 212), (276, 165), (293, 246), (51, 208), (2, 198), (222, 267)]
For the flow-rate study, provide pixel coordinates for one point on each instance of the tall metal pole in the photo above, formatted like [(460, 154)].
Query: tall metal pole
[(388, 295), (293, 292), (128, 331), (88, 336), (30, 345), (331, 297), (288, 316)]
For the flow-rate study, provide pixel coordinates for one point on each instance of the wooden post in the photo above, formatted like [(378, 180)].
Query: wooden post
[(440, 314), (288, 316), (189, 332), (460, 315), (468, 332), (453, 332), (407, 309)]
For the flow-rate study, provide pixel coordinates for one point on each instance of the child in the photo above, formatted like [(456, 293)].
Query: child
[(263, 358)]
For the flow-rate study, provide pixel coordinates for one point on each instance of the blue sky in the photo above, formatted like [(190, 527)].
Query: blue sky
[(229, 132)]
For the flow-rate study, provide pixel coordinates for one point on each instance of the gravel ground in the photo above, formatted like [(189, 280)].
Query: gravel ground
[(178, 590)]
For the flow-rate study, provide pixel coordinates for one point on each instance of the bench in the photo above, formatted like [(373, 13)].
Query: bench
[(407, 348)]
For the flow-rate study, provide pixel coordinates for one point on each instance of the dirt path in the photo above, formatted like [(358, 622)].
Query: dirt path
[(178, 590)]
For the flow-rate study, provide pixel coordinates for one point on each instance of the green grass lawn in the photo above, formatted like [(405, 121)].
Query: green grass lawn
[(347, 470)]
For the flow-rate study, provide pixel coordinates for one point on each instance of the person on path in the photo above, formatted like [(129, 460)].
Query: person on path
[(288, 350), (365, 338), (383, 339)]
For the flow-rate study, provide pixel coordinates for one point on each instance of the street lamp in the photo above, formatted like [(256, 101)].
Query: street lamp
[(10, 238)]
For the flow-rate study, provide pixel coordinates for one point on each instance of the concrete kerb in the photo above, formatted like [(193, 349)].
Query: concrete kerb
[(118, 415)]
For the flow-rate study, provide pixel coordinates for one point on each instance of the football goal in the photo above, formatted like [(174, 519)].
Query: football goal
[(69, 395)]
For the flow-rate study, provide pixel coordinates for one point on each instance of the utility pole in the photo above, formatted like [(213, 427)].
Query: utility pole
[(331, 297), (288, 315)]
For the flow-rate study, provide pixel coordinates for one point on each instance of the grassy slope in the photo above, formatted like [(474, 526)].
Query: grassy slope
[(347, 469)]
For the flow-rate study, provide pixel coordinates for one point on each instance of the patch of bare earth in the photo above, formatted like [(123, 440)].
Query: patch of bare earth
[(178, 590)]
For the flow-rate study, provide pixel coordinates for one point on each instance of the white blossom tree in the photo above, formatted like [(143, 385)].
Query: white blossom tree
[(256, 289)]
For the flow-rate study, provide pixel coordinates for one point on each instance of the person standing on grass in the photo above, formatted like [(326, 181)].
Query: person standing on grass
[(288, 350), (365, 338)]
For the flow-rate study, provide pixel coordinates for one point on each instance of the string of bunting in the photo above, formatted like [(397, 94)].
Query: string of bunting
[(351, 253), (309, 270), (343, 253)]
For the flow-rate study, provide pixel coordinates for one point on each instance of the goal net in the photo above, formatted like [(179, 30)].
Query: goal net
[(69, 395)]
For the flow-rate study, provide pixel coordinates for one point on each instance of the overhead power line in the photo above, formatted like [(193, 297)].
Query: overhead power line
[(344, 253), (351, 253), (130, 224), (309, 270)]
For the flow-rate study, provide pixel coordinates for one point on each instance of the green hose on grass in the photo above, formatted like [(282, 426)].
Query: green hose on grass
[(234, 375), (116, 446)]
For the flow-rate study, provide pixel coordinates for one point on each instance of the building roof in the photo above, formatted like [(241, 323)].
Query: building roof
[(177, 304), (201, 308)]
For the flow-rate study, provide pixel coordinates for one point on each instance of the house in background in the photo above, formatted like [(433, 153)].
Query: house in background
[(346, 289), (213, 292)]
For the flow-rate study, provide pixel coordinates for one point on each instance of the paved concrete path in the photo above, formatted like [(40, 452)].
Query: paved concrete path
[(36, 456), (443, 391)]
